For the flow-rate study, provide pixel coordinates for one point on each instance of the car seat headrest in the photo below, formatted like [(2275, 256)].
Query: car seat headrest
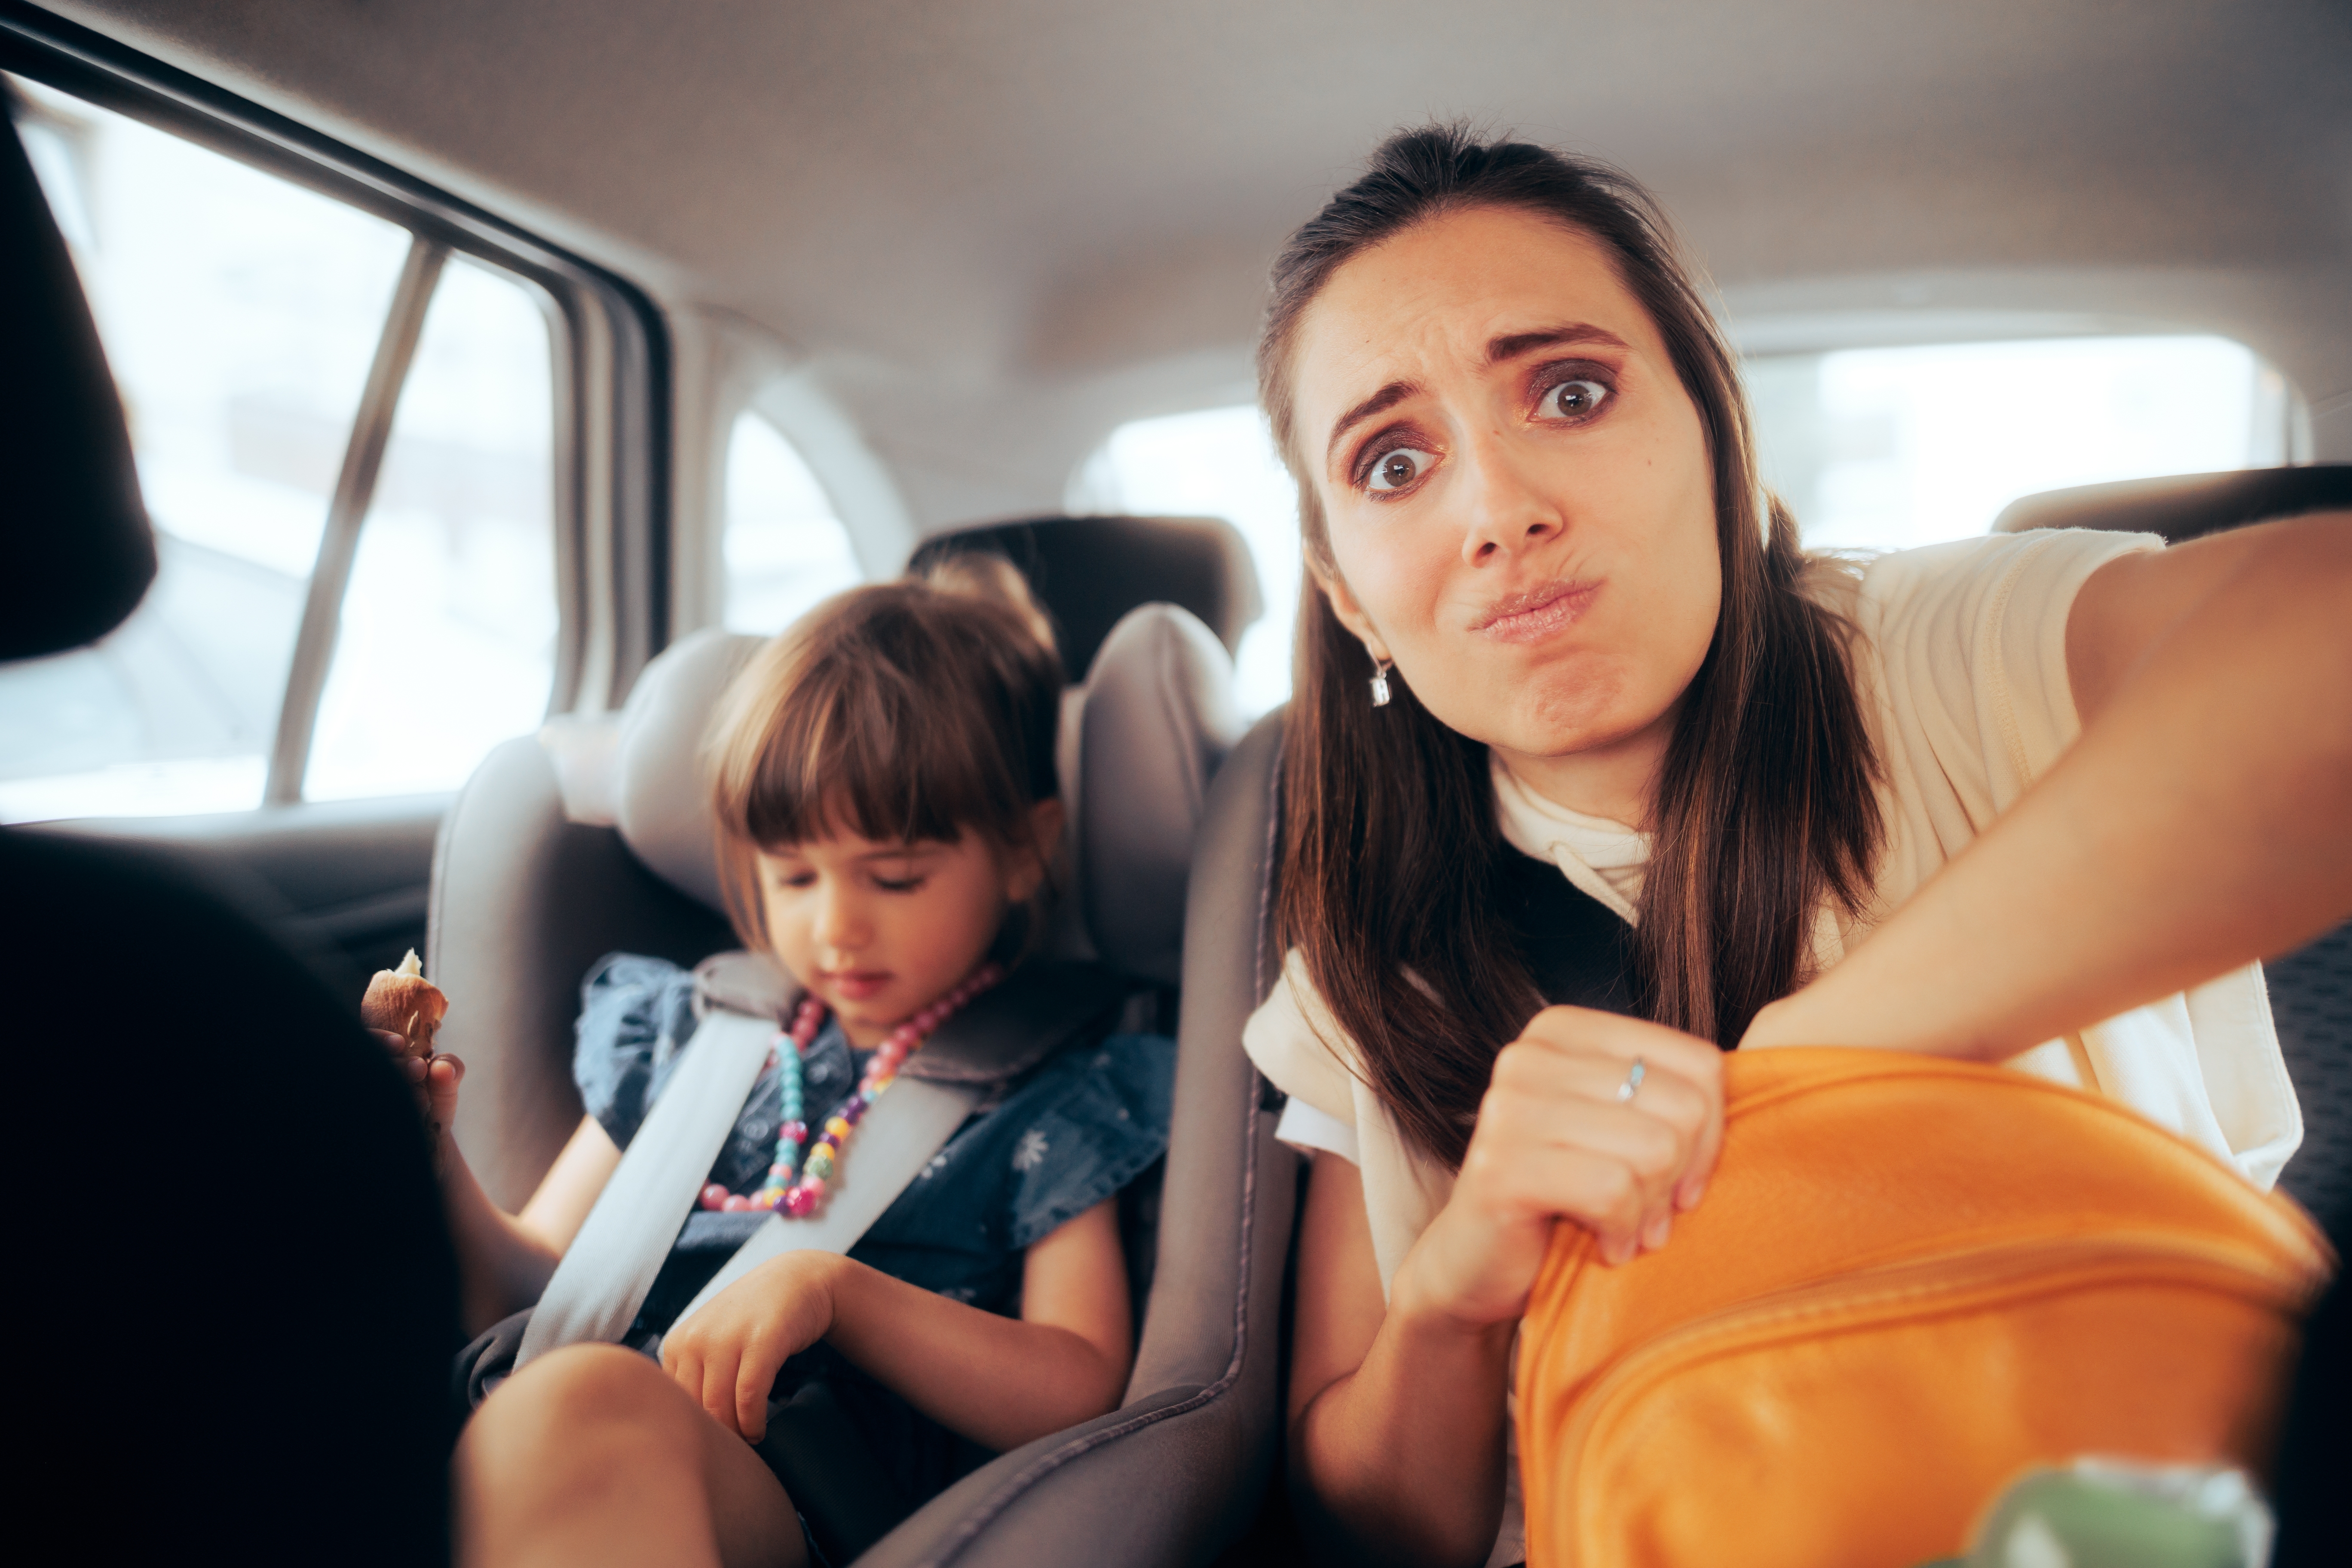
[(1141, 740), (1088, 571), (2184, 506), (73, 530)]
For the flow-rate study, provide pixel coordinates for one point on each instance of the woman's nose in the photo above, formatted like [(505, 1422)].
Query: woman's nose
[(1507, 510)]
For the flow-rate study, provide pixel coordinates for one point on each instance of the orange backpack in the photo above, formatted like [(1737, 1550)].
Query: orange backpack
[(1910, 1279)]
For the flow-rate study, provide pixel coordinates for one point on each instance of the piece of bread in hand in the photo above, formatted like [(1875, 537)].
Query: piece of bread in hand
[(404, 1003)]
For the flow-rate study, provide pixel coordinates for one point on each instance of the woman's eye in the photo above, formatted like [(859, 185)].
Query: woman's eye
[(1395, 470), (1574, 399)]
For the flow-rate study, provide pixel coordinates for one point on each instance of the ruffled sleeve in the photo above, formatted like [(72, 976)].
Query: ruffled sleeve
[(1087, 1125), (636, 1014)]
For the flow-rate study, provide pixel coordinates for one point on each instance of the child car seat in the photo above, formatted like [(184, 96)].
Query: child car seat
[(596, 836)]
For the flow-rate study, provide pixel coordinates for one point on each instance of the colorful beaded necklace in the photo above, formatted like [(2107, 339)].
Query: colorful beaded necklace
[(804, 1196)]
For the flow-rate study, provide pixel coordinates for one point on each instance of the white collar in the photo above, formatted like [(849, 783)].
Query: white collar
[(1602, 858)]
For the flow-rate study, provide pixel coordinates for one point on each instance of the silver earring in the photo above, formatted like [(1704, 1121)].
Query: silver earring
[(1379, 681)]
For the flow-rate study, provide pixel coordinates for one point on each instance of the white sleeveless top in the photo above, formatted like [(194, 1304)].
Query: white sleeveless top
[(1961, 666)]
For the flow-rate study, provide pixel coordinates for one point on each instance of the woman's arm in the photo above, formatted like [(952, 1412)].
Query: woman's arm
[(1397, 1414), (1396, 1417), (2204, 818), (998, 1380)]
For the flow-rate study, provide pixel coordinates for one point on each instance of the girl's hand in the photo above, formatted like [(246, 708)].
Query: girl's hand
[(1556, 1140), (727, 1355), (434, 1078)]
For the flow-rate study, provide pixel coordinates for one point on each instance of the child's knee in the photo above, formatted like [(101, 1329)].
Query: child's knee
[(579, 1388)]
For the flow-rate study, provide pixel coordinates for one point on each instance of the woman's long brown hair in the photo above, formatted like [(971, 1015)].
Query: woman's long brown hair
[(1765, 804)]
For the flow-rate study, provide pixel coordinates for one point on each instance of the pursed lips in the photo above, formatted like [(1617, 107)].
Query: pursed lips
[(1536, 613)]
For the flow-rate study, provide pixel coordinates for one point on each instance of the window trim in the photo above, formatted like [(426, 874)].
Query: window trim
[(610, 495)]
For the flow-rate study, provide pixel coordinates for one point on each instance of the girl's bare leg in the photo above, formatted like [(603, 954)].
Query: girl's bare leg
[(592, 1456)]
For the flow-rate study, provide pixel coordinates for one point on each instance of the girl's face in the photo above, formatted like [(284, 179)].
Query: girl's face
[(1517, 486), (879, 930)]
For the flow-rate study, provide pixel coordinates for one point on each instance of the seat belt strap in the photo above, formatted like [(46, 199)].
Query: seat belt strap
[(900, 1133), (604, 1275), (610, 1267)]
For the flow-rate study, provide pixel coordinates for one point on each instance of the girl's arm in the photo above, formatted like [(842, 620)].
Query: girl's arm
[(504, 1260), (1000, 1382), (2204, 818)]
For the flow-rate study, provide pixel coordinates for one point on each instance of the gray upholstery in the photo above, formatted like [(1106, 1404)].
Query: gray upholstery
[(1176, 1473), (598, 837), (523, 902), (1157, 719), (2184, 506)]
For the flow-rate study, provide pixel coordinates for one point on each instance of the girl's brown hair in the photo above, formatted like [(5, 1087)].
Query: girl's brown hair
[(1765, 804), (907, 710)]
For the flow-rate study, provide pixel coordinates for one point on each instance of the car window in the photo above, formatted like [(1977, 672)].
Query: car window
[(1218, 462), (241, 314), (447, 644), (1889, 449), (784, 548)]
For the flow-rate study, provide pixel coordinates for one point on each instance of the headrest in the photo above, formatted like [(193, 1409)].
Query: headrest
[(72, 528), (2184, 506), (1141, 740), (1087, 571)]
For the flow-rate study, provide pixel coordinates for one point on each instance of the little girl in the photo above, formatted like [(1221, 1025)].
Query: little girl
[(885, 789)]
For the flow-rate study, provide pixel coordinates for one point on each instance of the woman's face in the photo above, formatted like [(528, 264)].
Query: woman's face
[(1516, 487)]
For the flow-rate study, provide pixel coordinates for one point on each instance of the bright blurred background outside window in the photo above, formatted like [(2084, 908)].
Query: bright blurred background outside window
[(784, 548), (1872, 448), (1219, 462), (240, 314), (1890, 448), (448, 636)]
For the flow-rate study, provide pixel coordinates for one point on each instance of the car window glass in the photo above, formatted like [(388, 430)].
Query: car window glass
[(1889, 449), (240, 314), (448, 643), (1218, 462), (784, 548)]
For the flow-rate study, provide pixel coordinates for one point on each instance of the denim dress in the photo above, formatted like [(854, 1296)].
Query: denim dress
[(1051, 1145)]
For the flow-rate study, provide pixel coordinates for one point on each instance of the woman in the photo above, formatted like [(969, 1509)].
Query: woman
[(1579, 722)]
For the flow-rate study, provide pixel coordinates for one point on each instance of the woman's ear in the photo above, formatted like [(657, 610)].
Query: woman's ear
[(1026, 871), (1352, 615)]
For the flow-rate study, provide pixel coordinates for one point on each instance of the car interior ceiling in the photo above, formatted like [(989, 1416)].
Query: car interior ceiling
[(949, 249)]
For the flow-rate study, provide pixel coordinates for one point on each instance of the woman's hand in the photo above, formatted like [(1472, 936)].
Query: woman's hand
[(727, 1355), (1558, 1139)]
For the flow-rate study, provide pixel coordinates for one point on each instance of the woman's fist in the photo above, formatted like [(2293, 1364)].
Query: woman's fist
[(1607, 1122)]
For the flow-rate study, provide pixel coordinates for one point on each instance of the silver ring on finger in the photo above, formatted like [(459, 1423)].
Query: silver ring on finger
[(1633, 1077)]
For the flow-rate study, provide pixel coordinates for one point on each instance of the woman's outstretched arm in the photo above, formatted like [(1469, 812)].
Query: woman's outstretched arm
[(1397, 1412), (2204, 818)]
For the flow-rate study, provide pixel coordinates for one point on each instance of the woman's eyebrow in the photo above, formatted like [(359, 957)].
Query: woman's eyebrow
[(1387, 398), (1510, 347)]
